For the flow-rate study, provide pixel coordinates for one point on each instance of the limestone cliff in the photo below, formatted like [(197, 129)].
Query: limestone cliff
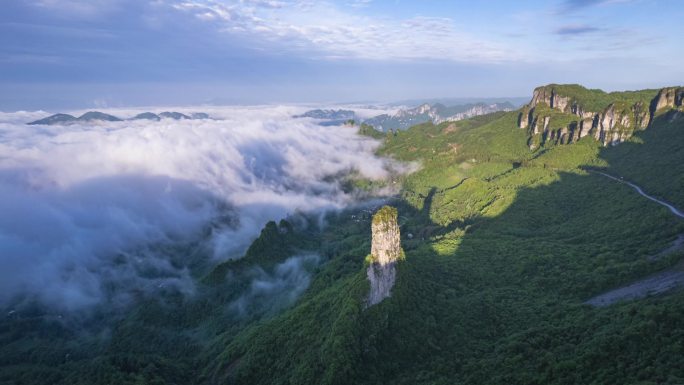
[(670, 97), (562, 114), (385, 252)]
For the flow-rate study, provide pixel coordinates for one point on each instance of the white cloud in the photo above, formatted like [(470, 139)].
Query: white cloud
[(99, 212), (271, 292), (326, 31)]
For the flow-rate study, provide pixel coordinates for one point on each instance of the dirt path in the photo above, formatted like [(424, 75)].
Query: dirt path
[(676, 245), (654, 284)]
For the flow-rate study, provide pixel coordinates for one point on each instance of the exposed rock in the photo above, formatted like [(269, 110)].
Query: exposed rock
[(670, 97), (385, 252), (382, 278), (642, 115), (541, 95), (523, 118), (613, 124), (656, 284), (475, 110), (559, 102)]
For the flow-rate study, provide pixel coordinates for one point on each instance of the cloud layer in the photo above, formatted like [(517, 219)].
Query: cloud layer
[(110, 211), (331, 32), (269, 292)]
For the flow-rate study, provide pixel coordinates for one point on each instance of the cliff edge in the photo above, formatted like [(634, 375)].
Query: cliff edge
[(565, 113), (385, 252)]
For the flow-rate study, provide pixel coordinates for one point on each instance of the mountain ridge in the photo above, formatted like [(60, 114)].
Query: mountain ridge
[(503, 246), (95, 116), (435, 113), (565, 113)]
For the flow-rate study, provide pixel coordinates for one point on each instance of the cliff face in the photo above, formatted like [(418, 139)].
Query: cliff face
[(670, 97), (563, 114), (385, 252)]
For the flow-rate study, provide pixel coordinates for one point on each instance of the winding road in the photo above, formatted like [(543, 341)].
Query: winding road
[(638, 189), (654, 284)]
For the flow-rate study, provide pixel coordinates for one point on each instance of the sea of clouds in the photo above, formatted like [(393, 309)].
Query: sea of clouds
[(96, 213)]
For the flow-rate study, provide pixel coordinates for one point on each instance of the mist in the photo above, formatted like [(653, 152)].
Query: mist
[(103, 213), (269, 292)]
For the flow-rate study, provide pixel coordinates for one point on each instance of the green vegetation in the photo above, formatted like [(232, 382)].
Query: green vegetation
[(617, 115), (366, 130), (597, 100), (503, 246), (653, 159), (386, 214), (493, 287)]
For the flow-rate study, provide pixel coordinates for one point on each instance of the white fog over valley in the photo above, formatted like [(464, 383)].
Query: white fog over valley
[(95, 211)]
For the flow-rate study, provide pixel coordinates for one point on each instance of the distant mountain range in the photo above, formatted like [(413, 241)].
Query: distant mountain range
[(405, 118), (94, 116), (329, 117), (516, 101), (328, 114), (435, 113)]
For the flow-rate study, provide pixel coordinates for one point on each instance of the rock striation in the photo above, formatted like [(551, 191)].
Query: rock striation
[(385, 253), (563, 114)]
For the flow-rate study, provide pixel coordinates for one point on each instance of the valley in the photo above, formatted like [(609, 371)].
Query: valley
[(511, 258), (341, 192)]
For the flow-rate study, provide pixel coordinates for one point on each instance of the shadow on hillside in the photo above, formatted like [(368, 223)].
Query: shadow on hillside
[(556, 245), (475, 300), (467, 290)]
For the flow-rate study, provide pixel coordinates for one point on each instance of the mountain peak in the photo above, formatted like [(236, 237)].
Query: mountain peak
[(565, 113), (97, 115), (385, 252)]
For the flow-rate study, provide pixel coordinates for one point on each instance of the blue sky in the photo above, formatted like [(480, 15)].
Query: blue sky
[(94, 53)]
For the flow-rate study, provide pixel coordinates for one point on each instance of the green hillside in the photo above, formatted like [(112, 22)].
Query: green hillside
[(503, 246), (507, 248), (596, 99)]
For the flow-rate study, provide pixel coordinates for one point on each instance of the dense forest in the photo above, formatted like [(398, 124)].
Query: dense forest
[(503, 247)]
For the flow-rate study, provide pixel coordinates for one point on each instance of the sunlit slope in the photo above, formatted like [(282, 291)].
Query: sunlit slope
[(507, 245), (503, 246)]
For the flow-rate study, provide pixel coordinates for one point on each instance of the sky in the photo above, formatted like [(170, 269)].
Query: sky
[(115, 53)]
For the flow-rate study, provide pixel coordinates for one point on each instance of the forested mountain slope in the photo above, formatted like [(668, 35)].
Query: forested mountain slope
[(503, 245), (507, 244)]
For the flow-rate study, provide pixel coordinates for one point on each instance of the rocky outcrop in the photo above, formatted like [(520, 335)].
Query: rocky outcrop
[(553, 117), (385, 253), (670, 97)]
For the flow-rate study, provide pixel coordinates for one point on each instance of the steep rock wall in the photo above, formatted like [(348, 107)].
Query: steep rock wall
[(385, 252), (610, 125)]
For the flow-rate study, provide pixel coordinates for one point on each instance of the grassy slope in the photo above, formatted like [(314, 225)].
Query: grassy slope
[(506, 250), (507, 245), (597, 100)]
